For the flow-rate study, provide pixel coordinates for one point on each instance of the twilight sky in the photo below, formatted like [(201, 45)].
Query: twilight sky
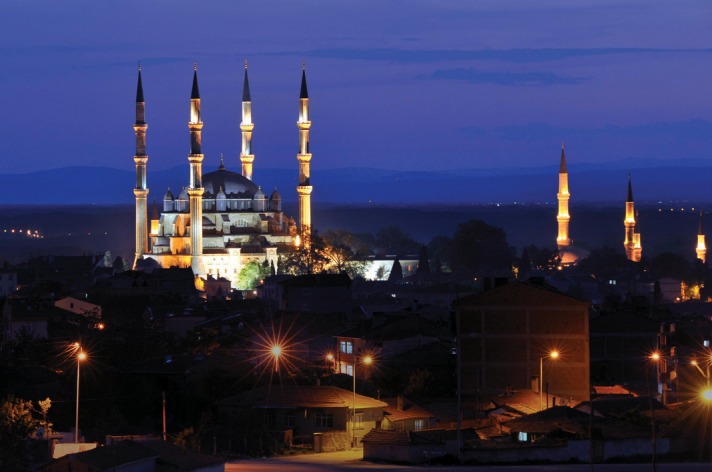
[(412, 85)]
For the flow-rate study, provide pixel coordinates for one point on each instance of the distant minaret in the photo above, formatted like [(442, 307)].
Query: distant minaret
[(246, 126), (140, 158), (195, 191), (304, 189), (637, 245), (701, 246), (563, 240), (629, 223)]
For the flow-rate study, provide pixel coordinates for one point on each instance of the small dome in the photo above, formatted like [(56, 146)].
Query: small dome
[(259, 194), (183, 194), (221, 194), (169, 195), (275, 195)]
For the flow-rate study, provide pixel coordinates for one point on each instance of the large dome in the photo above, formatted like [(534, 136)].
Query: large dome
[(233, 184)]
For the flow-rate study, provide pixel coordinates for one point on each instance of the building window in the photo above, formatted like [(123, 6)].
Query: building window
[(347, 347), (523, 437), (324, 420), (358, 420), (419, 425), (289, 420)]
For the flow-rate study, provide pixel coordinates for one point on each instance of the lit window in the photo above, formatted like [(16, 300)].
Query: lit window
[(419, 425), (523, 437), (358, 421), (346, 347), (706, 343)]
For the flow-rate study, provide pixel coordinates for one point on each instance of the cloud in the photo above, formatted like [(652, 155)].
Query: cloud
[(521, 55), (502, 78)]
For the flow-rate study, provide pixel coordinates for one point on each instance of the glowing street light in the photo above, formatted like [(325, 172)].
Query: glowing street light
[(330, 361), (552, 355), (81, 357), (366, 360), (276, 351)]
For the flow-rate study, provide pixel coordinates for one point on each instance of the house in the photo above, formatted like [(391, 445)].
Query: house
[(507, 334), (320, 416), (403, 415)]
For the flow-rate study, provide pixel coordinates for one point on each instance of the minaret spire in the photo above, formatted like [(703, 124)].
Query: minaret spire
[(246, 126), (630, 226), (195, 190), (141, 159), (304, 189), (701, 246), (563, 217)]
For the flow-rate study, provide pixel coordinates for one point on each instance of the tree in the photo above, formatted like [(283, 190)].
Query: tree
[(604, 262), (306, 258), (670, 264), (476, 246), (396, 271), (16, 426), (344, 252), (393, 240), (423, 261), (250, 275)]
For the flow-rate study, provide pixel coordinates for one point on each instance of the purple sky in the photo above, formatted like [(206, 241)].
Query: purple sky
[(412, 85)]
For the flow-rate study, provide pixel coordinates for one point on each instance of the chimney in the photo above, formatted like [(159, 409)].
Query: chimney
[(399, 403)]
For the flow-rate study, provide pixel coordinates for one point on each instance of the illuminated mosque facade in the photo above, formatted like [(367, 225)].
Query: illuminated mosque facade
[(222, 220)]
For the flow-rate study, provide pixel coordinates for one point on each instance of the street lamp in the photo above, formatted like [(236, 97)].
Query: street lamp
[(330, 362), (552, 355), (366, 360), (276, 351), (81, 356)]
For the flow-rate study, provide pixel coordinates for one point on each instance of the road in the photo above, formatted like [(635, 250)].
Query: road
[(351, 460)]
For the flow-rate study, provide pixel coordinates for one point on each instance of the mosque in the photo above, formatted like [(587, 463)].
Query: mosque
[(222, 220)]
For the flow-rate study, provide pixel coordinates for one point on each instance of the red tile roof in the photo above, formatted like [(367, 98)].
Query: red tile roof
[(408, 411)]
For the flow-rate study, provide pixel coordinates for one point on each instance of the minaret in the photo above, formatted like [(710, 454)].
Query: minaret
[(701, 246), (563, 240), (195, 191), (246, 126), (304, 189), (140, 158), (637, 245), (629, 223)]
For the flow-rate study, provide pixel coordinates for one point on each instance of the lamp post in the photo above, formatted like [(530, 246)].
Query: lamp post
[(81, 356), (366, 360), (551, 355)]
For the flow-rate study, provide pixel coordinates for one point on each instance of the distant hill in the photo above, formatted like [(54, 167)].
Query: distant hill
[(653, 181)]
